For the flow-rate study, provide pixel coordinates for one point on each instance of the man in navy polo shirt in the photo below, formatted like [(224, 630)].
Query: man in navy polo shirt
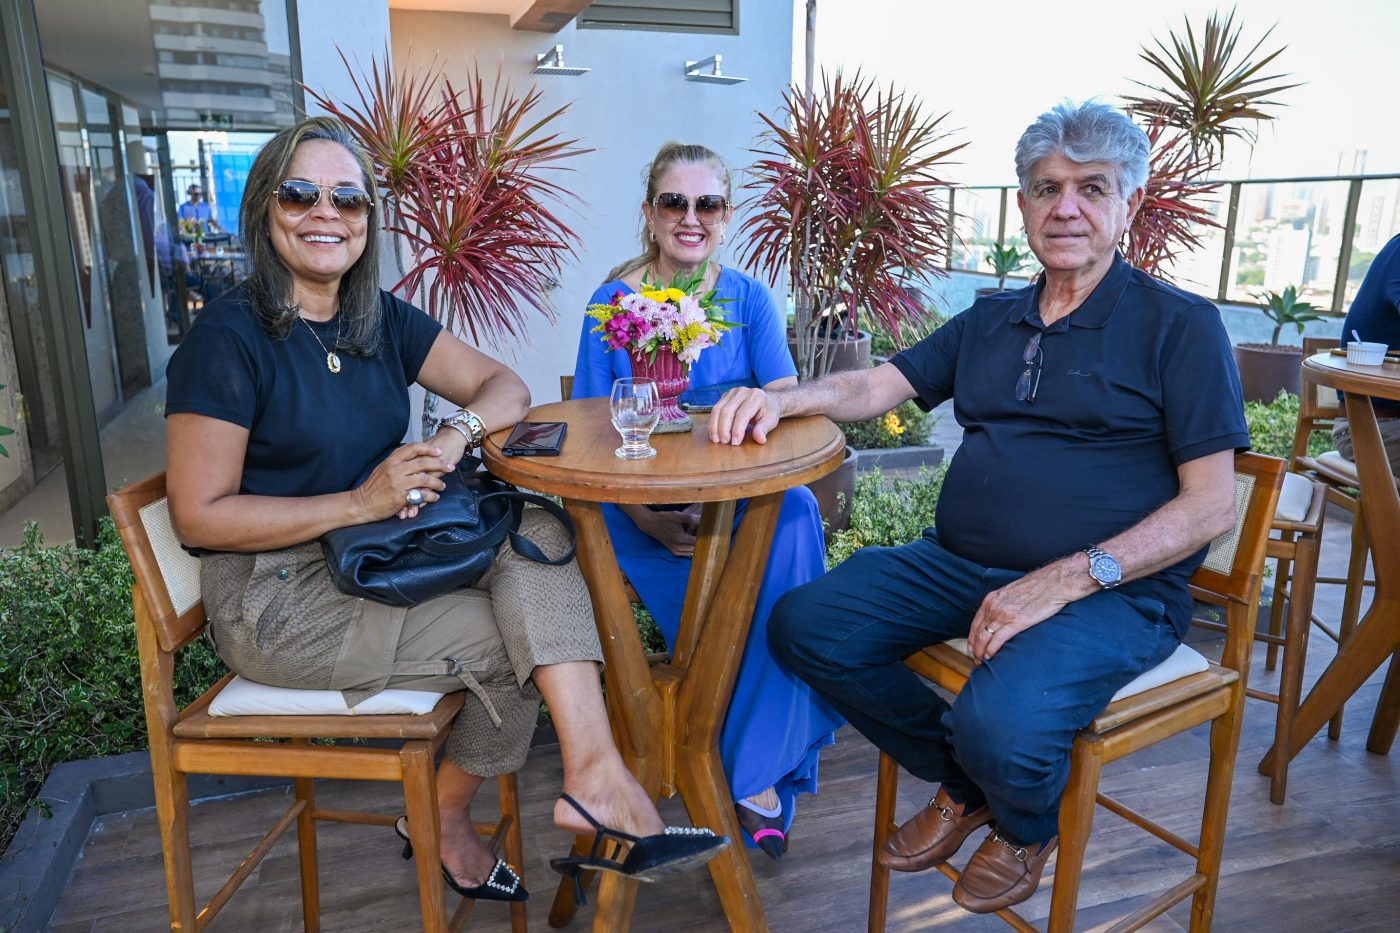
[(1101, 412), (1375, 315)]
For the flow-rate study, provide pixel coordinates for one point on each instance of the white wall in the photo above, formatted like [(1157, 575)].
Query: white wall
[(634, 99)]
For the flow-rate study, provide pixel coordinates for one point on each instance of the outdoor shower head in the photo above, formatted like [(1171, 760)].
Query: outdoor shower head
[(693, 72), (552, 63)]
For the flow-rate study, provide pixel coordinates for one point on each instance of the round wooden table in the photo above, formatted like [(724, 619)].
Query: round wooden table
[(667, 716), (1377, 637)]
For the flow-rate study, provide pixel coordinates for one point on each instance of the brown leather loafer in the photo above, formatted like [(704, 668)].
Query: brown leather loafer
[(1001, 875), (932, 835)]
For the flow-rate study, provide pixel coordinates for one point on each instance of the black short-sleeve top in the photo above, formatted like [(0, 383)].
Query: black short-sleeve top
[(1136, 381), (311, 431)]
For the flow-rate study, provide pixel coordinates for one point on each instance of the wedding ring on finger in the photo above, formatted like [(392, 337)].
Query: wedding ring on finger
[(990, 629), (415, 497)]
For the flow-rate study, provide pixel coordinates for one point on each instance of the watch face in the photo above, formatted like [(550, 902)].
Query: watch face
[(1104, 569)]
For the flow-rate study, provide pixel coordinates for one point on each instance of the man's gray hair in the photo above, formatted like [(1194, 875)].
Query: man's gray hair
[(1087, 132)]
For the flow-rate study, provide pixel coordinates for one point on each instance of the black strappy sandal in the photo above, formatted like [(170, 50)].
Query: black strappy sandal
[(501, 884), (651, 858)]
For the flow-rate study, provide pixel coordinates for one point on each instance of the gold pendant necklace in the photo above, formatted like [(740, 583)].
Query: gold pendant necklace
[(332, 358)]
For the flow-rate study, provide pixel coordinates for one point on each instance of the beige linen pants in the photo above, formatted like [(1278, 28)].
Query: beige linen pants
[(276, 618)]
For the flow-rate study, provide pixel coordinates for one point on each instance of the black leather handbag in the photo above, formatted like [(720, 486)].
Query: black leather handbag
[(449, 544)]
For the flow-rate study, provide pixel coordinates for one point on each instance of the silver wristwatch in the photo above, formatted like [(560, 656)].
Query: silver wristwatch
[(1104, 568), (467, 423)]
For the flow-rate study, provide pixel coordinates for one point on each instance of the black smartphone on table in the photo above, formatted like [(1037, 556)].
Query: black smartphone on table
[(535, 439)]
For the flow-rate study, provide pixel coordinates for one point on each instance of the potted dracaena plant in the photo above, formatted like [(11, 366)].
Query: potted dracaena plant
[(1004, 260), (846, 201), (1214, 89), (461, 172)]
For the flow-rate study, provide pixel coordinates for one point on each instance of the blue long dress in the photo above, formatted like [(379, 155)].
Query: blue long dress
[(776, 726)]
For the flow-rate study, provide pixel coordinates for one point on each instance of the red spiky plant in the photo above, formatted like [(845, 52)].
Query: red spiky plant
[(1213, 90), (847, 200), (460, 173)]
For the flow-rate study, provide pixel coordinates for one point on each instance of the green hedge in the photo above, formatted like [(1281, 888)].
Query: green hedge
[(1272, 425), (888, 511), (906, 425), (70, 678)]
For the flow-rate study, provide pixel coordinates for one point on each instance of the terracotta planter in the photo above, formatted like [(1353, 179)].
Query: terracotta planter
[(835, 494), (1266, 369), (849, 354)]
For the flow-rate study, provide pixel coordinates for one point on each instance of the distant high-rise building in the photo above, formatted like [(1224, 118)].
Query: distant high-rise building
[(1286, 257), (215, 68), (1351, 162)]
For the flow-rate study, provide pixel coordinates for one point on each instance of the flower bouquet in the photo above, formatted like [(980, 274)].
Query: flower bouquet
[(663, 330)]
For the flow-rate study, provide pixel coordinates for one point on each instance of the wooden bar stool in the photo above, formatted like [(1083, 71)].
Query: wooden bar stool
[(1183, 692), (198, 740)]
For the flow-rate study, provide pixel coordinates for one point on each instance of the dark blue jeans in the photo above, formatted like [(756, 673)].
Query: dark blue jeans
[(1007, 737)]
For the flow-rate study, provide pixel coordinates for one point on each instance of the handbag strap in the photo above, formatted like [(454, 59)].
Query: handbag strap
[(527, 548)]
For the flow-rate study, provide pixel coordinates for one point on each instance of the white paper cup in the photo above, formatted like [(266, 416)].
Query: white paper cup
[(1365, 353)]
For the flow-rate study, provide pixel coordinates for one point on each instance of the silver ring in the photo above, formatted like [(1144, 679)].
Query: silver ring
[(989, 629), (415, 497)]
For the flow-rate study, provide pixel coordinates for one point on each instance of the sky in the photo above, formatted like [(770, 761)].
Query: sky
[(994, 66)]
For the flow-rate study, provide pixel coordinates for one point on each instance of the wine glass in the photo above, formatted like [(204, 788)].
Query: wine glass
[(635, 411)]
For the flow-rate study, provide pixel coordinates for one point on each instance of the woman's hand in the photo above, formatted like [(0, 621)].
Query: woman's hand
[(675, 530), (412, 466)]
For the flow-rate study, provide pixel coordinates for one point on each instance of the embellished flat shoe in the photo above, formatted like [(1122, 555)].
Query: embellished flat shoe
[(766, 831), (501, 884), (650, 858)]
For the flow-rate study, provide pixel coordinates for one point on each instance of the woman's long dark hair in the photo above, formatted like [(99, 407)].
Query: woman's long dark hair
[(670, 154), (271, 280)]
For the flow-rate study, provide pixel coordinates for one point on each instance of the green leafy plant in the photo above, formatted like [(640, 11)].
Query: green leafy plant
[(461, 173), (887, 343), (905, 425), (1273, 424), (847, 201), (1005, 260), (3, 431), (888, 511), (1284, 308), (70, 678)]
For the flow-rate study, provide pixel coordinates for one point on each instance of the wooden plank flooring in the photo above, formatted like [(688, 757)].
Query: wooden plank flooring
[(1329, 860)]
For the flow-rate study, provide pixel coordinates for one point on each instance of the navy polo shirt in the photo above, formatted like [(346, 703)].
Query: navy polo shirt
[(1375, 312), (310, 431), (1137, 380)]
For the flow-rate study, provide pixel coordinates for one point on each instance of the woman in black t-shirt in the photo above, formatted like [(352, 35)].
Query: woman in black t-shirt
[(288, 391)]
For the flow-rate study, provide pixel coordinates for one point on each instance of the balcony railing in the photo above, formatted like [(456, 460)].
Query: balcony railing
[(1318, 233)]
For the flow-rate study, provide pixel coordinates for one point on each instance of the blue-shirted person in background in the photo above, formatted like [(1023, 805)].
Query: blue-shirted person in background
[(1101, 412), (1375, 315)]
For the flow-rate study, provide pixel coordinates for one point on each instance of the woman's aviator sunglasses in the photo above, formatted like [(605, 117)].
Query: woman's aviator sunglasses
[(672, 206), (294, 198)]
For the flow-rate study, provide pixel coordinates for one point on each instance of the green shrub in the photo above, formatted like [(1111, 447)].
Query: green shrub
[(1272, 424), (906, 425), (70, 678), (888, 511)]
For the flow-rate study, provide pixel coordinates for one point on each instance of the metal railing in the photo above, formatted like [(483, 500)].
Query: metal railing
[(1293, 208)]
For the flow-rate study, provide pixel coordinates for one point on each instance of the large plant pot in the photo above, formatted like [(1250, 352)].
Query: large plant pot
[(848, 354), (1266, 369), (836, 493)]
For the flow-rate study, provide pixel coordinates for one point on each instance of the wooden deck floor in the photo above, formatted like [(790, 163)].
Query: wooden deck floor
[(1329, 860)]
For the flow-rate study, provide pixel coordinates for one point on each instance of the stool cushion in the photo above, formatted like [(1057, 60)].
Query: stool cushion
[(1294, 498), (1334, 461), (242, 697), (1183, 662)]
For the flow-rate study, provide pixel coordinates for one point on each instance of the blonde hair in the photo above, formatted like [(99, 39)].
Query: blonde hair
[(672, 153)]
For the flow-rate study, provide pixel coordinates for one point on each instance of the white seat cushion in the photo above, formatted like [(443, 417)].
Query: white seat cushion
[(1334, 461), (1294, 499), (1183, 662), (243, 697)]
